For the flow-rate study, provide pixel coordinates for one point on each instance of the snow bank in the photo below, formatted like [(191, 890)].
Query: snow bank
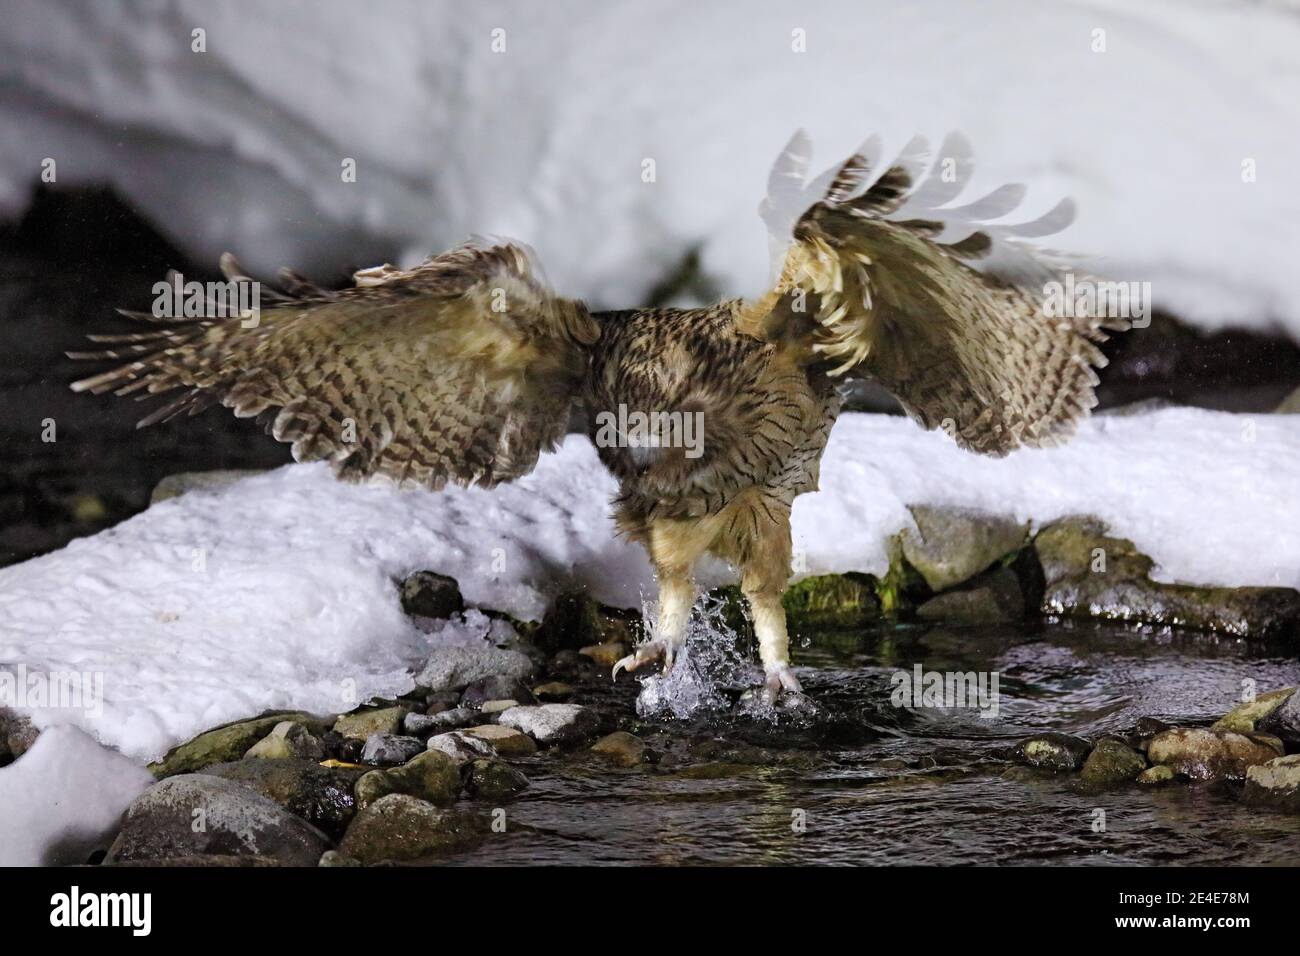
[(241, 147), (62, 799), (280, 591)]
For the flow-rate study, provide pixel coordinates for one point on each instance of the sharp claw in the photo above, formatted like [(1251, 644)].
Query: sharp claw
[(780, 678), (645, 654)]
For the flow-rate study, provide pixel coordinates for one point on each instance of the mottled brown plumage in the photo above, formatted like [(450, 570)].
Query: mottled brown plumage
[(466, 367)]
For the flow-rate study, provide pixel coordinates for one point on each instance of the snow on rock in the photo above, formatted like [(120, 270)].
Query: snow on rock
[(1171, 122), (63, 799), (281, 591)]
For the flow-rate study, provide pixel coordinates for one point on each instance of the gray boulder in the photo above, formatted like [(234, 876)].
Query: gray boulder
[(199, 814), (320, 795), (952, 545), (452, 668), (389, 750), (550, 724)]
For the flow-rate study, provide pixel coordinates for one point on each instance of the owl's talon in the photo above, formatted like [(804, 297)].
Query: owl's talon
[(647, 653), (780, 678)]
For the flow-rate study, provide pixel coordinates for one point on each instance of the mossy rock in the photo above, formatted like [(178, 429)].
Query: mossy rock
[(1089, 573), (229, 742), (575, 620), (832, 601), (1245, 718)]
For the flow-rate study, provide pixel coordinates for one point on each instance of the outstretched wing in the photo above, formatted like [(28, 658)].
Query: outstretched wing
[(886, 279), (461, 369)]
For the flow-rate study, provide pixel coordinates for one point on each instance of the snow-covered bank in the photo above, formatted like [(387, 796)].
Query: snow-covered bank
[(1172, 123), (278, 591)]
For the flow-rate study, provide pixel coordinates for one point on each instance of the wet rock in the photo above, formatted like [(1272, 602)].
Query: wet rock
[(288, 739), (605, 656), (553, 723), (1053, 751), (1203, 754), (387, 750), (1111, 763), (456, 667), (461, 747), (995, 599), (574, 620), (555, 691), (361, 724), (952, 545), (1245, 717), (1274, 784), (1148, 727), (227, 742), (431, 775), (440, 701), (17, 733), (320, 795), (493, 780), (332, 858), (1284, 722), (429, 594), (200, 814), (399, 827), (423, 725), (831, 602), (497, 687), (1088, 573), (1156, 776), (491, 708), (506, 741), (622, 748), (173, 486)]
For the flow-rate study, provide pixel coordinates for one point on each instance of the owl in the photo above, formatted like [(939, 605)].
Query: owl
[(713, 420)]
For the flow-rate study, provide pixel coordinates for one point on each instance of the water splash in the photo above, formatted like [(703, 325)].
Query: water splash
[(714, 675)]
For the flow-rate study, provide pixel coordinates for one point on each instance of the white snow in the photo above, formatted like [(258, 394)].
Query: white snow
[(241, 146), (62, 799), (279, 591)]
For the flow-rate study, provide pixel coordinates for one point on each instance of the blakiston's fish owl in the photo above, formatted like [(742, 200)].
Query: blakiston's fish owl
[(466, 367)]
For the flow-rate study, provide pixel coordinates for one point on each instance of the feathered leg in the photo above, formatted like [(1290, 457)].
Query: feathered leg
[(674, 547), (764, 573)]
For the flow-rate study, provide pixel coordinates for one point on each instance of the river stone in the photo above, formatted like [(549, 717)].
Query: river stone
[(1069, 549), (1203, 754), (554, 692), (575, 620), (227, 742), (288, 739), (1245, 717), (431, 775), (553, 723), (461, 747), (387, 750), (1274, 784), (492, 707), (165, 821), (506, 741), (995, 599), (605, 655), (320, 795), (831, 602), (497, 687), (1284, 722), (952, 545), (332, 858), (17, 732), (1053, 751), (429, 594), (1111, 763), (400, 827), (173, 486), (622, 748), (1155, 776), (361, 724), (455, 667), (423, 725), (494, 780)]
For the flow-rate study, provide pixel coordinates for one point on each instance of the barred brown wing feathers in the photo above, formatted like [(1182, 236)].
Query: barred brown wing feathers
[(462, 369)]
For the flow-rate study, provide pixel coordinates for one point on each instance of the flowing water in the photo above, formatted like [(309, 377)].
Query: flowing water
[(848, 777)]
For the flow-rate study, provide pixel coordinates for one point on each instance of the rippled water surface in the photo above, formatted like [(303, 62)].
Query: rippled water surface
[(876, 784)]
